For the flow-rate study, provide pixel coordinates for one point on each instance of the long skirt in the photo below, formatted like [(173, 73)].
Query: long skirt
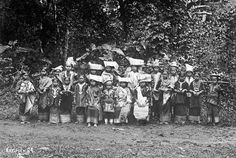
[(180, 112), (22, 115), (125, 110), (213, 113), (117, 114), (156, 108), (194, 114), (54, 116), (165, 115), (66, 103), (43, 108), (141, 113), (80, 114), (92, 115)]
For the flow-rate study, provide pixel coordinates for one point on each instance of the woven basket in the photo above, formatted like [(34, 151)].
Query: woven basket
[(80, 118), (43, 116), (54, 118), (65, 118), (23, 118)]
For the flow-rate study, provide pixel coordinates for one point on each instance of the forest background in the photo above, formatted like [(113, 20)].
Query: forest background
[(199, 32)]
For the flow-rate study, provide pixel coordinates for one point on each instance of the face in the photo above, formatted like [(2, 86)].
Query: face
[(43, 72), (189, 73), (121, 68), (93, 83), (165, 75), (134, 68), (93, 72), (67, 81), (54, 83), (25, 76), (123, 84), (142, 84), (81, 79), (108, 86), (108, 69), (156, 69), (182, 78), (68, 67), (196, 77)]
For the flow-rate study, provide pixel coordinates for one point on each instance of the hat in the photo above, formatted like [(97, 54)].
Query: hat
[(58, 68), (124, 79), (145, 78), (108, 82), (189, 67), (95, 78), (156, 63), (174, 64), (135, 62), (111, 63), (95, 66), (70, 61)]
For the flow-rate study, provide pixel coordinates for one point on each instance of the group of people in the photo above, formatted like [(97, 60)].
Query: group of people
[(115, 94)]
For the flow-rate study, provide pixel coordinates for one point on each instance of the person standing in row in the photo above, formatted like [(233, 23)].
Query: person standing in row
[(142, 99), (80, 90), (196, 88), (26, 92), (213, 102), (93, 100), (124, 100), (166, 91), (156, 77), (180, 107), (54, 101), (43, 105), (108, 102)]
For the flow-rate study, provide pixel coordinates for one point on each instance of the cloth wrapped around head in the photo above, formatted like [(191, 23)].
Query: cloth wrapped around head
[(145, 78), (95, 66), (95, 78), (135, 62)]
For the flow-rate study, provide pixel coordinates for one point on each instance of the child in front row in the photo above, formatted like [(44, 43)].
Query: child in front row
[(94, 100), (108, 102)]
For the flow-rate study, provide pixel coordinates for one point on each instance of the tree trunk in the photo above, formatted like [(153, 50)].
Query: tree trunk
[(66, 44), (2, 18)]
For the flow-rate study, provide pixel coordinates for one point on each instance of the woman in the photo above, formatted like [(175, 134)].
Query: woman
[(165, 90), (26, 92), (196, 88), (43, 107)]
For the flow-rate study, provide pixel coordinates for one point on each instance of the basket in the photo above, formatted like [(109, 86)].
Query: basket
[(80, 118), (23, 118), (54, 118), (65, 118), (43, 116)]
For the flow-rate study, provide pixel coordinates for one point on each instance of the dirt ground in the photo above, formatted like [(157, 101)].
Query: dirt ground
[(37, 140)]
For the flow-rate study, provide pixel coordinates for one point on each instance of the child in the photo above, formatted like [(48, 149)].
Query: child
[(108, 72), (142, 99), (26, 92), (43, 106), (196, 88), (94, 100), (109, 102), (124, 100), (54, 101), (95, 69), (156, 95), (180, 107), (165, 90), (213, 101), (80, 98), (134, 73)]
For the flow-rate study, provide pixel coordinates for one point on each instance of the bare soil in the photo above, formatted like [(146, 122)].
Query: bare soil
[(36, 140)]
